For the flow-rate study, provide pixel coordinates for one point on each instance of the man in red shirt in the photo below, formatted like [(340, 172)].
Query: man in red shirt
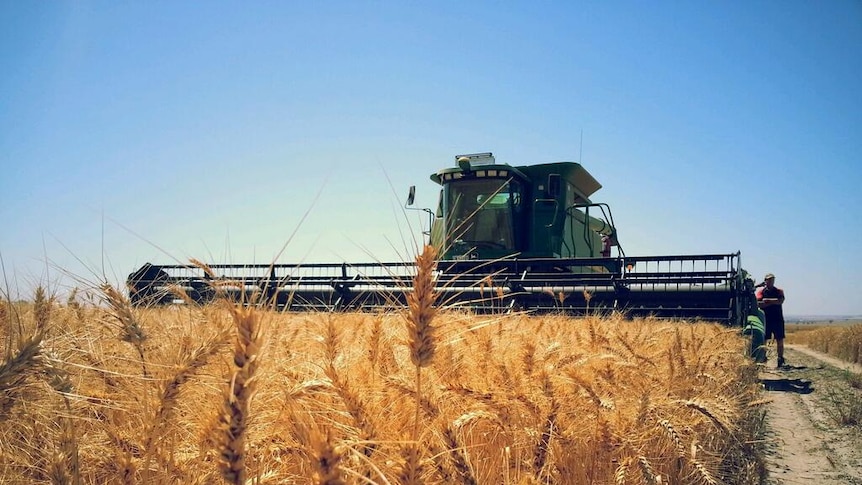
[(769, 299)]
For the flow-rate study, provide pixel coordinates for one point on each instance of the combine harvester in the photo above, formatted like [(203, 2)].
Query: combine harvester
[(511, 238)]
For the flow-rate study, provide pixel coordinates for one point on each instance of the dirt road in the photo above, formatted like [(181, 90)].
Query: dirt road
[(806, 443)]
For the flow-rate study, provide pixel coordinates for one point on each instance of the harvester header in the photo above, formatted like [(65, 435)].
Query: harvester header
[(524, 237)]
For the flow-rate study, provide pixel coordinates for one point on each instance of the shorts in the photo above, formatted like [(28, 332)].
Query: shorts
[(774, 329)]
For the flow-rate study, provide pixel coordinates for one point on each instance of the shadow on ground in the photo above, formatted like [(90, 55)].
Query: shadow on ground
[(799, 386)]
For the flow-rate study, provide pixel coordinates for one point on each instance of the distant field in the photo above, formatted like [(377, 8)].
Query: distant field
[(841, 339), (806, 323), (794, 327)]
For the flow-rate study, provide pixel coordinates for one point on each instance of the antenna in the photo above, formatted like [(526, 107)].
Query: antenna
[(103, 244), (581, 150)]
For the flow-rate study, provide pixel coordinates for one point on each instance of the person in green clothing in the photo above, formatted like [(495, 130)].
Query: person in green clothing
[(770, 299)]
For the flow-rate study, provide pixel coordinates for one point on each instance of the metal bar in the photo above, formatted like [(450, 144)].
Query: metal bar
[(683, 285)]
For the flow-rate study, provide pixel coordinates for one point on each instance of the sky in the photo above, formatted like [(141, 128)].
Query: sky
[(242, 132)]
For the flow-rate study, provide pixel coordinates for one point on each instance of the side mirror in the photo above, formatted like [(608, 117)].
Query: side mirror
[(411, 196)]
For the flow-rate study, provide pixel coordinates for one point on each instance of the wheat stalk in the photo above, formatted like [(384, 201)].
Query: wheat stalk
[(352, 401), (357, 409), (623, 340), (410, 469), (429, 406), (57, 471), (622, 471), (5, 319), (671, 432), (66, 455), (678, 351), (421, 311), (130, 329), (420, 333), (704, 473), (702, 408), (647, 471), (374, 341), (528, 357), (65, 465), (327, 459), (41, 311), (458, 456), (16, 370), (540, 455), (72, 302), (236, 406), (128, 470), (583, 384), (195, 359)]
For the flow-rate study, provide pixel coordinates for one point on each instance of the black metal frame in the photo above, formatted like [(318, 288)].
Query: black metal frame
[(689, 286)]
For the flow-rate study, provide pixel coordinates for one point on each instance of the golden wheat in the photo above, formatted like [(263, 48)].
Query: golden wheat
[(16, 370), (130, 329), (503, 399), (842, 341), (238, 395), (421, 334), (420, 301)]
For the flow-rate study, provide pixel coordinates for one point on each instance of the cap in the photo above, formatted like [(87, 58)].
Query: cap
[(769, 276)]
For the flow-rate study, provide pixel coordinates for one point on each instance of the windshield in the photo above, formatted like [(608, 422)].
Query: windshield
[(480, 213)]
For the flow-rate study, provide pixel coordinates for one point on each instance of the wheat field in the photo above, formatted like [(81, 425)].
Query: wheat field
[(843, 341), (93, 390)]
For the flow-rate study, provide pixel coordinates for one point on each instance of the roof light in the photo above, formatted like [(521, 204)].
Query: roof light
[(476, 159)]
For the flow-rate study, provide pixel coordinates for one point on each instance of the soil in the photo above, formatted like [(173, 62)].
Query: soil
[(806, 444)]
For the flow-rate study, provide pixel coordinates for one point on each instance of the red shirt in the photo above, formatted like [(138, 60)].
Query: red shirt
[(773, 312)]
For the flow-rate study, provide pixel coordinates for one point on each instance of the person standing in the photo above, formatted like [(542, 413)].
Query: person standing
[(770, 299)]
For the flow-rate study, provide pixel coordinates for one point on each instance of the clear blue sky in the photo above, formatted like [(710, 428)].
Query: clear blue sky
[(158, 131)]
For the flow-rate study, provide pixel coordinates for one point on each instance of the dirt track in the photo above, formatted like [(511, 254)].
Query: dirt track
[(806, 445)]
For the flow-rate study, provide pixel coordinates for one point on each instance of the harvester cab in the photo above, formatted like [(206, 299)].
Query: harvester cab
[(510, 237), (488, 210)]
